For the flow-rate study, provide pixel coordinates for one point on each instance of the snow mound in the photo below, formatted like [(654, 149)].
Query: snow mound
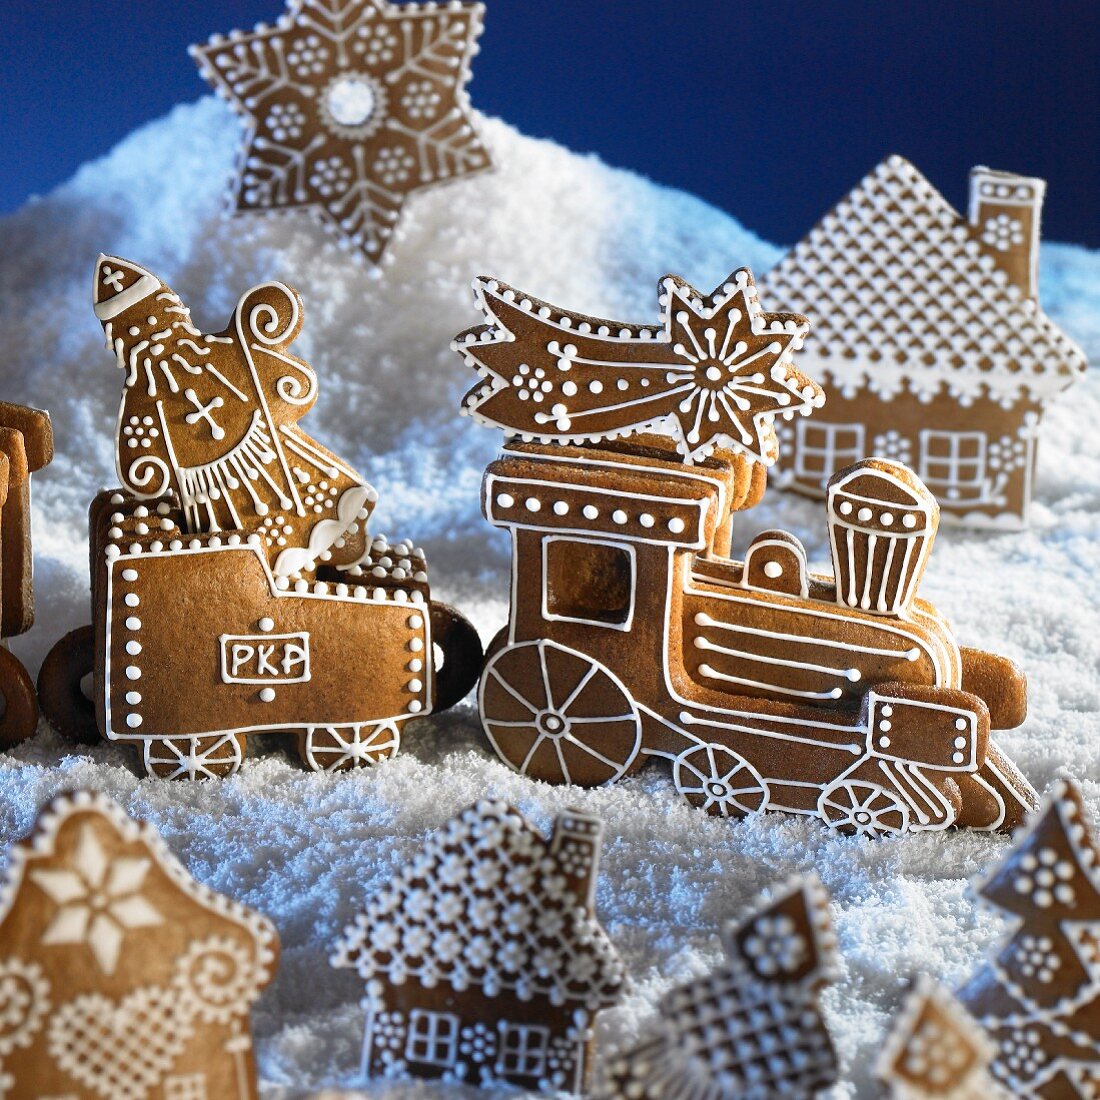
[(307, 850)]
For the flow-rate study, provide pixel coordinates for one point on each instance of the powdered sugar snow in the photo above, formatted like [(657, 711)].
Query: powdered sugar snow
[(306, 849)]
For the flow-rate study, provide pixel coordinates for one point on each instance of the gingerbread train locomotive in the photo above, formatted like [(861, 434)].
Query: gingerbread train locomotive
[(633, 635), (236, 560)]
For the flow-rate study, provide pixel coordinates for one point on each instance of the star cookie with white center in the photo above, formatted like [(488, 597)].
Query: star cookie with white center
[(351, 106)]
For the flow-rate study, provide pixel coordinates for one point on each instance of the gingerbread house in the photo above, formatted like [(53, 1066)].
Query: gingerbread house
[(121, 978), (753, 1026), (483, 959), (927, 333)]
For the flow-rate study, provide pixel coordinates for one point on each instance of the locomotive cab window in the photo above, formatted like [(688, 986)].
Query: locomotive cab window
[(585, 581)]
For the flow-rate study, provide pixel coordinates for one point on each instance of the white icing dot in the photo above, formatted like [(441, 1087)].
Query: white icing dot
[(886, 519), (267, 695), (590, 511), (133, 648), (618, 516), (960, 742), (416, 706), (864, 514), (909, 520), (133, 720), (532, 504), (884, 742), (886, 711), (415, 622), (129, 574), (266, 624), (133, 698), (561, 508), (885, 725), (957, 757), (415, 686), (961, 724), (133, 672), (773, 569), (505, 500), (595, 387), (845, 507), (133, 623), (646, 520), (132, 599), (676, 525)]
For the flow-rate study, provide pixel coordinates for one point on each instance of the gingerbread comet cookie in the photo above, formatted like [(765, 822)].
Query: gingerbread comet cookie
[(351, 106), (753, 1027), (716, 369), (483, 958), (121, 978), (1038, 996)]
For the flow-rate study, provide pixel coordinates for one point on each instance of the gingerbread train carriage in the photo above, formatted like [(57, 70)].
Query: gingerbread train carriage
[(235, 589), (632, 634)]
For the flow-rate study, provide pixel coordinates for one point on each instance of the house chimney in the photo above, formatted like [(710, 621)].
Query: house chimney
[(1004, 217), (575, 846)]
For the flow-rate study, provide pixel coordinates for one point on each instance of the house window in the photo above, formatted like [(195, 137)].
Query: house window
[(587, 581), (523, 1050), (191, 1086), (822, 449), (433, 1038), (952, 464)]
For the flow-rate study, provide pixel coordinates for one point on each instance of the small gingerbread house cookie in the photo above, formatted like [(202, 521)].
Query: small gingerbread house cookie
[(935, 1051), (1038, 997), (121, 978), (483, 958), (929, 338), (753, 1027)]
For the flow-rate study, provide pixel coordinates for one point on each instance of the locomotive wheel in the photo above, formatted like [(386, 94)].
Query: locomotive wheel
[(344, 748), (863, 809), (60, 694), (20, 701), (193, 757), (552, 713), (720, 781)]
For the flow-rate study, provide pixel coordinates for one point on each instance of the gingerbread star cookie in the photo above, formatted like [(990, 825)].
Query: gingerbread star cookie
[(351, 106), (121, 978), (213, 418), (753, 1027), (483, 959), (1038, 997), (715, 372)]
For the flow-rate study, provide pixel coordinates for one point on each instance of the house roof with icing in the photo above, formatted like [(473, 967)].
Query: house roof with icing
[(899, 290), (489, 902)]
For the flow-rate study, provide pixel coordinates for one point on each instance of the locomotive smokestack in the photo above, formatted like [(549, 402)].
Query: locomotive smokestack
[(882, 523)]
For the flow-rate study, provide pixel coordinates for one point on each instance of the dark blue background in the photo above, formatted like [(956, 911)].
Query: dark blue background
[(768, 110)]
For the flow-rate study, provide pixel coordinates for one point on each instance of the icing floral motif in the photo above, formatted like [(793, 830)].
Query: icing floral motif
[(935, 1051), (176, 971), (483, 959), (928, 338), (352, 105), (213, 418), (752, 1027), (1038, 997), (98, 899), (715, 372)]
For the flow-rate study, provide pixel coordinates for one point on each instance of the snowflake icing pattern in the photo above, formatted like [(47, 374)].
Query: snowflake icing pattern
[(99, 899), (352, 105)]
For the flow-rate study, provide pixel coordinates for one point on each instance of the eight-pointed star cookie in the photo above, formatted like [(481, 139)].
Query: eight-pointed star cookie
[(351, 106), (715, 372)]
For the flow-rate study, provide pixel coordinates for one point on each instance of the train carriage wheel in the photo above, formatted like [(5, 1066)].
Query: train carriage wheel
[(344, 748), (554, 714), (211, 757), (865, 809), (720, 781)]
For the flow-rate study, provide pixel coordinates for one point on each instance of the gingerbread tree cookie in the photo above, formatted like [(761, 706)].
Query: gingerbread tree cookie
[(213, 418), (121, 978), (715, 371), (935, 1051), (1039, 995), (351, 106), (752, 1027), (483, 958)]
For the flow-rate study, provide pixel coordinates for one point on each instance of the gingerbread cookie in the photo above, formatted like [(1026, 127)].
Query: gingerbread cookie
[(929, 338), (753, 1027), (351, 106), (121, 977), (237, 560), (1038, 997), (716, 370), (935, 1051), (213, 418), (483, 958), (632, 635)]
